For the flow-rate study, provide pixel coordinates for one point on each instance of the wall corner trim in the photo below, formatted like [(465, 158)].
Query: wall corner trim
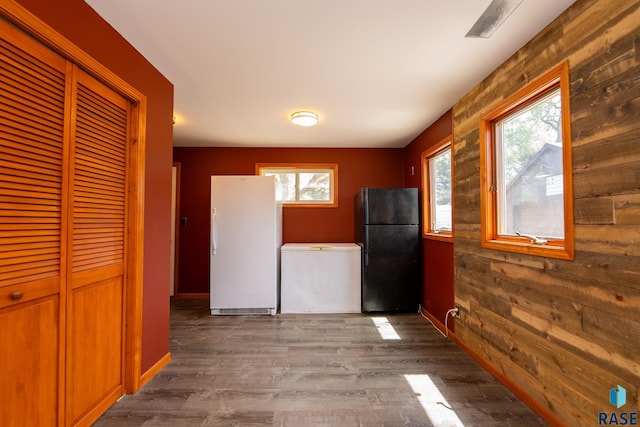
[(543, 412)]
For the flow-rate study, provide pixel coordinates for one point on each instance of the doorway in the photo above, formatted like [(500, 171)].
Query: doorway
[(175, 209)]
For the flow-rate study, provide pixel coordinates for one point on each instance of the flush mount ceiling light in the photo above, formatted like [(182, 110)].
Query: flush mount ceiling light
[(304, 118), (495, 14)]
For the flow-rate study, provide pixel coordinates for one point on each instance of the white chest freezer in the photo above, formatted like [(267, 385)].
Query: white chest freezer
[(320, 278)]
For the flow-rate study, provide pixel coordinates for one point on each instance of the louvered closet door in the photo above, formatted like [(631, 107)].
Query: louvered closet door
[(97, 254), (32, 109)]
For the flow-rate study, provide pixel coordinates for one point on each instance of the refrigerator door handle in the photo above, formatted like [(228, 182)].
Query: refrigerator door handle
[(214, 236), (366, 247)]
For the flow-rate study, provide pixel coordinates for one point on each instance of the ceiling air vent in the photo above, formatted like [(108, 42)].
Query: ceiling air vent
[(495, 14)]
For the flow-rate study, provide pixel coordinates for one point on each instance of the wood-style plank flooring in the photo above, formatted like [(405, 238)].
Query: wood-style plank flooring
[(315, 370)]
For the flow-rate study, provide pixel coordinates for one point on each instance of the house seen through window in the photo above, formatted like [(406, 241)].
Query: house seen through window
[(529, 168), (526, 196), (303, 185)]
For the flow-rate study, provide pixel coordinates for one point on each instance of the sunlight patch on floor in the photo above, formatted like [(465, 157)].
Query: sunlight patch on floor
[(385, 329), (435, 405)]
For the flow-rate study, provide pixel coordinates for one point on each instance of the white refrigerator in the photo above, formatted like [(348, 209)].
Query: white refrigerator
[(246, 235)]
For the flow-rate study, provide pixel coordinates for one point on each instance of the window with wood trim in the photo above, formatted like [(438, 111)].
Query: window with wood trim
[(526, 191), (301, 185), (437, 195)]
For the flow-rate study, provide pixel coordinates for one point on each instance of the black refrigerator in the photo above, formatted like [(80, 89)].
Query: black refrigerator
[(388, 230)]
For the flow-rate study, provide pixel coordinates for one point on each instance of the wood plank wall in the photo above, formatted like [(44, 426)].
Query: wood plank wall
[(564, 331)]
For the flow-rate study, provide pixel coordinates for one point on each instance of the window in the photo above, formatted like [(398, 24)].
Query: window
[(304, 185), (437, 194), (526, 193)]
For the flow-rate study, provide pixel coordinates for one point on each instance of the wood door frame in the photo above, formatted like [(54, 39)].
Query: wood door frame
[(32, 25), (176, 236)]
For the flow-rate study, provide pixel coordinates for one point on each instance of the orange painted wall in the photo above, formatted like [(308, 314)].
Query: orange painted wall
[(438, 272), (357, 168), (80, 24)]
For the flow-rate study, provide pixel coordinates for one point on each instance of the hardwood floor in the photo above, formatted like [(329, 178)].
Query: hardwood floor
[(315, 370)]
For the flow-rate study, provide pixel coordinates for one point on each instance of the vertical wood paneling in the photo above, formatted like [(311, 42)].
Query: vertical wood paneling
[(564, 331)]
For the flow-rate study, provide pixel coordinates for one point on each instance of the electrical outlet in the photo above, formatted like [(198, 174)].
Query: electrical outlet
[(457, 312)]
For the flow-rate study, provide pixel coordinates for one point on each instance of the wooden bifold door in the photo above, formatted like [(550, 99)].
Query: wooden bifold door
[(64, 139)]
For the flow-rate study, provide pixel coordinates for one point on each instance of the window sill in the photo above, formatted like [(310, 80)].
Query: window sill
[(548, 251), (442, 237), (309, 205)]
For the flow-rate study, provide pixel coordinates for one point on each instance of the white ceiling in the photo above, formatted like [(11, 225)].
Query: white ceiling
[(378, 72)]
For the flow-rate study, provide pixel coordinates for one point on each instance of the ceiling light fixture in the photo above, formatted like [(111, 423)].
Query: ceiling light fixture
[(304, 118)]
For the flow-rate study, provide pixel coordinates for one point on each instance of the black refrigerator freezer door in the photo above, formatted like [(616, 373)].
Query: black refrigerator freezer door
[(388, 206), (391, 273)]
